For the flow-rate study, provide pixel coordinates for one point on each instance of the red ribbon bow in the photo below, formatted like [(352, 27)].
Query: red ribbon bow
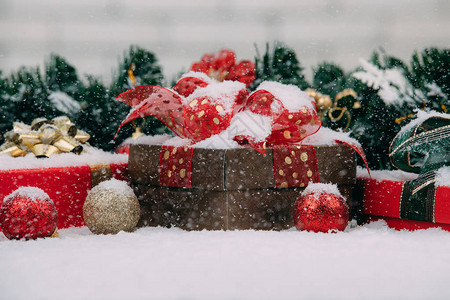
[(199, 107), (222, 66)]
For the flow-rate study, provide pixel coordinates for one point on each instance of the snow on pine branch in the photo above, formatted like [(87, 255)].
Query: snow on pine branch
[(393, 87), (63, 102), (435, 90)]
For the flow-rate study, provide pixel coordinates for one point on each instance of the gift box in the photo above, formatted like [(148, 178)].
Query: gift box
[(411, 225), (238, 188), (386, 197), (66, 178)]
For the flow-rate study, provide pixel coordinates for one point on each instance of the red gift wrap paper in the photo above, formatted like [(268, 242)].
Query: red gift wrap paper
[(381, 198)]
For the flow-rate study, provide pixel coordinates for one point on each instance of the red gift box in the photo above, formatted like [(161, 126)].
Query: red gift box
[(382, 199), (66, 186)]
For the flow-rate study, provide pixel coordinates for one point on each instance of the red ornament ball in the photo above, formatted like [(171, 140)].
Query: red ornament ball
[(320, 212), (28, 213)]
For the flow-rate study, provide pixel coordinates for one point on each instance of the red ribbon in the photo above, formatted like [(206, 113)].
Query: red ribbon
[(359, 150), (222, 66), (175, 166), (295, 166)]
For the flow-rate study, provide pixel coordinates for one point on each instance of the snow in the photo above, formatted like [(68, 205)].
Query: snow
[(443, 177), (421, 116), (64, 102), (393, 175), (366, 262), (218, 141), (319, 188), (199, 75), (150, 139), (177, 142), (435, 90), (249, 124), (292, 98), (327, 136), (30, 192), (119, 186), (244, 123), (92, 156), (393, 87), (223, 93)]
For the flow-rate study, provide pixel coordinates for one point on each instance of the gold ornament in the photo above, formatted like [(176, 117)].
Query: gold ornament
[(324, 104), (110, 207)]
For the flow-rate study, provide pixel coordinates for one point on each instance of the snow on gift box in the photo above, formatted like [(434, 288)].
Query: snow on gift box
[(65, 177), (239, 162), (421, 198)]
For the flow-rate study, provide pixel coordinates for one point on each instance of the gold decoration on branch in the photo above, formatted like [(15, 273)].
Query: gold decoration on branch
[(324, 104), (131, 74), (343, 110), (44, 138), (399, 120), (137, 129)]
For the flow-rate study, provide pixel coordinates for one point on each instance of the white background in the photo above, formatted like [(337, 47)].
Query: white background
[(93, 34)]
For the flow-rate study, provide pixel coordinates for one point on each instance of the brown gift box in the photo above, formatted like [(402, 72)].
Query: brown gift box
[(231, 188)]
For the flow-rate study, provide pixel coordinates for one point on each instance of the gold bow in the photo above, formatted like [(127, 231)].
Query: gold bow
[(44, 138)]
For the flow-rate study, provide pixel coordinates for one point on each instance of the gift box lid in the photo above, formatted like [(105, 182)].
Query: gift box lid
[(246, 168)]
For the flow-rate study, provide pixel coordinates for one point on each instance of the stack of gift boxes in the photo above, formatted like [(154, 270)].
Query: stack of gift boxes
[(248, 178)]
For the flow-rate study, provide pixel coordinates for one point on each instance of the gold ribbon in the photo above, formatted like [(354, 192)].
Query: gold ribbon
[(343, 110), (100, 173), (44, 138)]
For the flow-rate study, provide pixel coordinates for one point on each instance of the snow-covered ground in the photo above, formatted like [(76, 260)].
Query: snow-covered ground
[(367, 262)]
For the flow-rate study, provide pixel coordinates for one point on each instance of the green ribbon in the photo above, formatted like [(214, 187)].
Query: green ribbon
[(422, 148)]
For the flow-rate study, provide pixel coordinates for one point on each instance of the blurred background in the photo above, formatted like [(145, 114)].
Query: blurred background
[(92, 35)]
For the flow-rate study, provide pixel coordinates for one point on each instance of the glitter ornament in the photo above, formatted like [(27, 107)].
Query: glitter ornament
[(28, 213), (320, 211), (111, 207)]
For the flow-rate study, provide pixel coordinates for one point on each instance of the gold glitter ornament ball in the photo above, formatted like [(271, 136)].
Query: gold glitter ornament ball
[(111, 207)]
